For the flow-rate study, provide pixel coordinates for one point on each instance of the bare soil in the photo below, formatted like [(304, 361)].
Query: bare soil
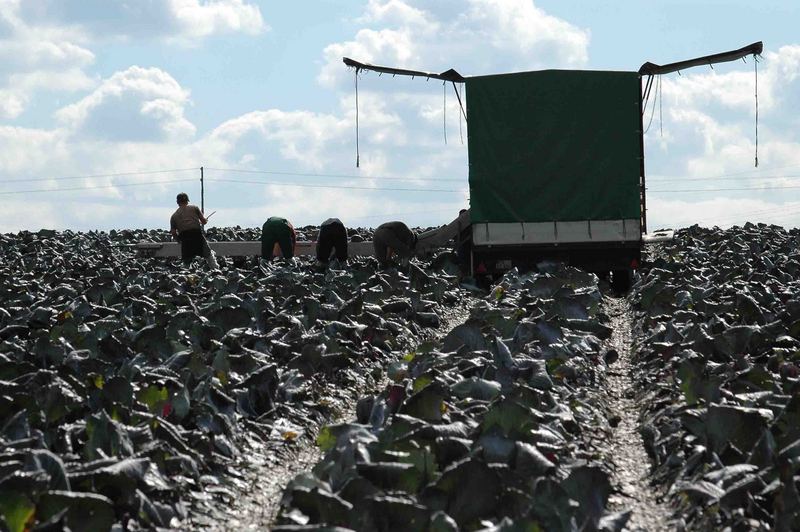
[(626, 449)]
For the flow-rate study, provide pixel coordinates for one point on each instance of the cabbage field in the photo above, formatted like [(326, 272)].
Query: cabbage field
[(136, 393)]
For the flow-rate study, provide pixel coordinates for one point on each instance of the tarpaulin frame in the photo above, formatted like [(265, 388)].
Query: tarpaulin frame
[(652, 69)]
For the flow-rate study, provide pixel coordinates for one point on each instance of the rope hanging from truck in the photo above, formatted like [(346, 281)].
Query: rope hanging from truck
[(358, 155), (444, 110), (460, 131), (461, 105), (653, 110), (755, 67)]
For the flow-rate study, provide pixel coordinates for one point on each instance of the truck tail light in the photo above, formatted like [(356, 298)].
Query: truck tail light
[(634, 264), (481, 268)]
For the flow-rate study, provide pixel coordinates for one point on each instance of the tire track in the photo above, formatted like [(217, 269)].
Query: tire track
[(626, 448)]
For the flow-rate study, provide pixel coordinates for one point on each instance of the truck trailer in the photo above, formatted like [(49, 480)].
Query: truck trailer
[(556, 165)]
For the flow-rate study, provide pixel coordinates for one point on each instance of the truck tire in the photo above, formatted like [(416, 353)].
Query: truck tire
[(621, 281)]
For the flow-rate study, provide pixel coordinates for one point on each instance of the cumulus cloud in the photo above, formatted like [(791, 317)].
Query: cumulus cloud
[(170, 19), (44, 44), (137, 104), (37, 58), (197, 19), (476, 37), (310, 141), (27, 151), (299, 136), (519, 27), (12, 103)]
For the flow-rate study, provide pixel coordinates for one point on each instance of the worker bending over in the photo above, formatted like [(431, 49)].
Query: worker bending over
[(277, 238), (393, 238), (332, 240), (186, 226)]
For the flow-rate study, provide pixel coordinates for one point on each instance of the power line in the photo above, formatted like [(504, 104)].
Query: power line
[(348, 187), (764, 168), (777, 218), (118, 174), (397, 214), (763, 212), (785, 211), (93, 187), (761, 189), (340, 176), (791, 177)]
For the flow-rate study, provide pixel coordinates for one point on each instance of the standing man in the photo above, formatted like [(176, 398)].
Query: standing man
[(186, 226), (332, 237), (277, 232), (393, 238)]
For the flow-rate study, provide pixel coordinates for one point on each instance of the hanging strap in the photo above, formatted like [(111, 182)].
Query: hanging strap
[(461, 105), (653, 110), (755, 63), (460, 130), (358, 154), (444, 110), (660, 107)]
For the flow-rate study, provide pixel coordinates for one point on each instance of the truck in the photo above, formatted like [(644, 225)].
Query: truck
[(556, 170), (556, 166)]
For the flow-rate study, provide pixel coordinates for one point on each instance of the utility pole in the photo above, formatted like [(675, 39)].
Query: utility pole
[(202, 192)]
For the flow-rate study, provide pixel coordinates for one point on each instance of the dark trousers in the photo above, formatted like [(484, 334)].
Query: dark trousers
[(385, 239), (193, 244), (332, 237), (276, 233)]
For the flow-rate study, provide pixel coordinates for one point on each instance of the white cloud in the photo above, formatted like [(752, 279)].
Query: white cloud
[(477, 37), (396, 13), (299, 136), (200, 19), (168, 19), (519, 27), (44, 43), (142, 104), (11, 103), (37, 58), (308, 140)]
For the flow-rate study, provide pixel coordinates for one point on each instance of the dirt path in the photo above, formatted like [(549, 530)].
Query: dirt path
[(626, 449)]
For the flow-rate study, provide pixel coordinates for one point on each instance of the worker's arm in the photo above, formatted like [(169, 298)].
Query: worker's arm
[(173, 230), (203, 219)]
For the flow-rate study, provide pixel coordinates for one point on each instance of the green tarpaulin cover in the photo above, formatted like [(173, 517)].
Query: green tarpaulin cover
[(554, 145)]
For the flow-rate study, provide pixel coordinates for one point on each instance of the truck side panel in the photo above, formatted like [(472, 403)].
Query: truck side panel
[(554, 146)]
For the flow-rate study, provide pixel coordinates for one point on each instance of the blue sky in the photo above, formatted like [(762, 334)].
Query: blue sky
[(92, 87)]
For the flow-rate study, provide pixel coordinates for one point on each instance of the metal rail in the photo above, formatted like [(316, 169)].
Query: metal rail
[(651, 69), (447, 75)]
